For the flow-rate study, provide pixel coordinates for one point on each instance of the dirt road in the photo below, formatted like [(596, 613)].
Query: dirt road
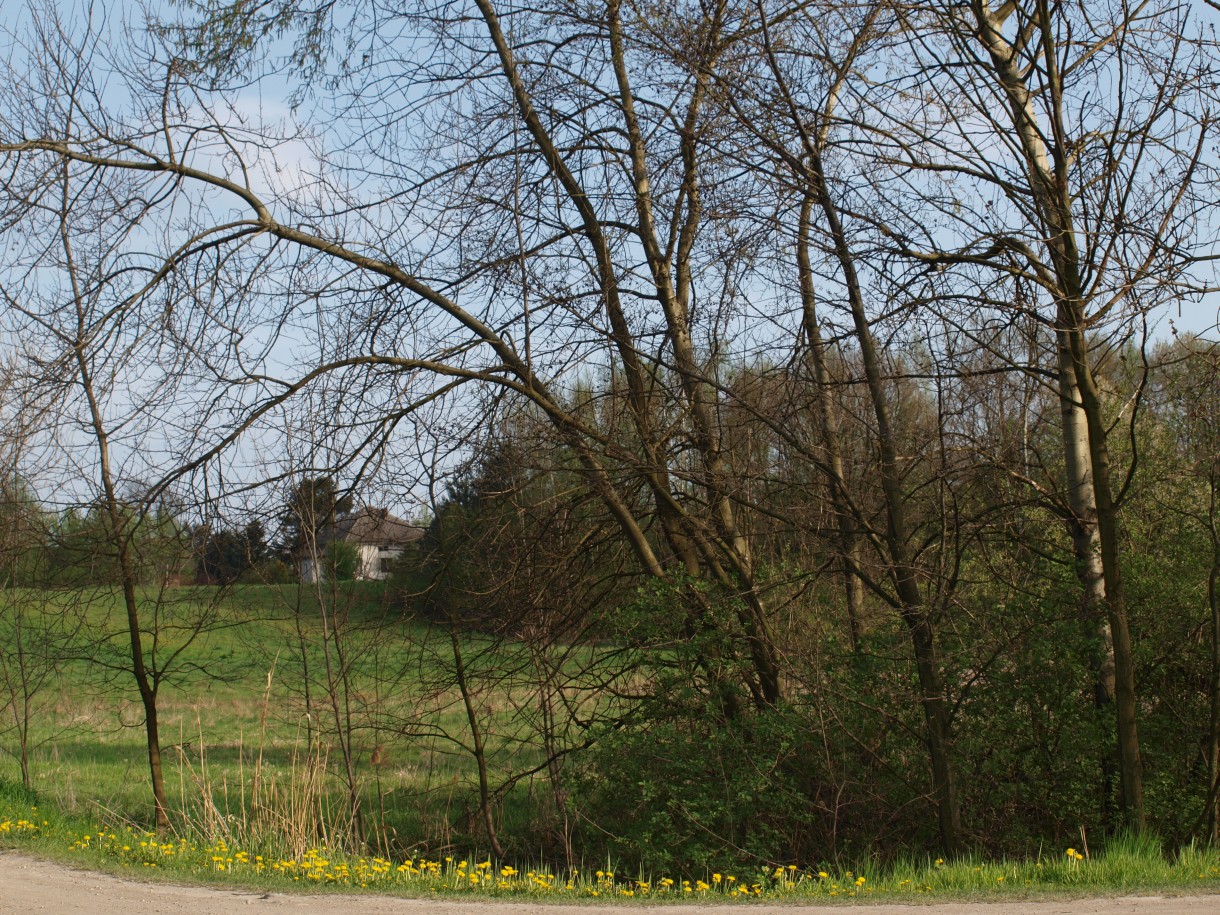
[(28, 885)]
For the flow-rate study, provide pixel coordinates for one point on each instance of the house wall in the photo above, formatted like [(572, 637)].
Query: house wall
[(373, 558)]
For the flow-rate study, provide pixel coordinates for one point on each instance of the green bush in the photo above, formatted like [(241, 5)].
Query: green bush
[(270, 571), (342, 560), (688, 795)]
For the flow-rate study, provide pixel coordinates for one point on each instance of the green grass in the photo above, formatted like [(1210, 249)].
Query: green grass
[(1128, 865), (250, 773), (233, 712)]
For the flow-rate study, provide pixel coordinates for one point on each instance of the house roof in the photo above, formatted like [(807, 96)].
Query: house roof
[(373, 525)]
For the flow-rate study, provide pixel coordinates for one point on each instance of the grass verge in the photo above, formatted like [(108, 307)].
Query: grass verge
[(1128, 865)]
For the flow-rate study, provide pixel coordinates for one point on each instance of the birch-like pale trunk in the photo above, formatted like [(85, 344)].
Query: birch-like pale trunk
[(1085, 430), (1086, 538)]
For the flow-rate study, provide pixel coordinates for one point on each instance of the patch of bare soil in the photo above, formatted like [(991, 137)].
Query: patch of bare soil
[(29, 885)]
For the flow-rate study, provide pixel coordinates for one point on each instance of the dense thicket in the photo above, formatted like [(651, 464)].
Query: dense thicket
[(838, 766), (789, 381)]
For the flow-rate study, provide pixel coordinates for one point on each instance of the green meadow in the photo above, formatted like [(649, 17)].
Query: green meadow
[(271, 705), (261, 770)]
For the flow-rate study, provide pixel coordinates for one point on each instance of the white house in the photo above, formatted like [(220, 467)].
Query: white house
[(379, 538)]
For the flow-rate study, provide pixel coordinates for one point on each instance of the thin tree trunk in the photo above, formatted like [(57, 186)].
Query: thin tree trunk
[(477, 747), (25, 760), (914, 613), (139, 668), (338, 687), (1212, 521), (305, 675), (121, 541), (1213, 601), (848, 537), (21, 710), (673, 284), (688, 536), (546, 706), (897, 537)]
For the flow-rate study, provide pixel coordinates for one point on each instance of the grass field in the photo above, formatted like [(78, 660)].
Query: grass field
[(258, 776), (240, 727)]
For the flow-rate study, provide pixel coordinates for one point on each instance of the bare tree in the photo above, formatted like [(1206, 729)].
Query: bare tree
[(696, 208), (86, 313), (1088, 169)]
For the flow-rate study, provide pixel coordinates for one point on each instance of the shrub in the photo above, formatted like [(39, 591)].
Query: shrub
[(342, 560)]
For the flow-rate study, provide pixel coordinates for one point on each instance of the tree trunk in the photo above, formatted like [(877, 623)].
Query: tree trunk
[(121, 541), (477, 747), (1047, 169), (1213, 757), (1086, 546), (139, 669), (1131, 767), (897, 537), (848, 538)]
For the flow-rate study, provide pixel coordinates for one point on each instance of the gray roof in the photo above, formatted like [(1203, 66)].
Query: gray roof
[(373, 525)]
